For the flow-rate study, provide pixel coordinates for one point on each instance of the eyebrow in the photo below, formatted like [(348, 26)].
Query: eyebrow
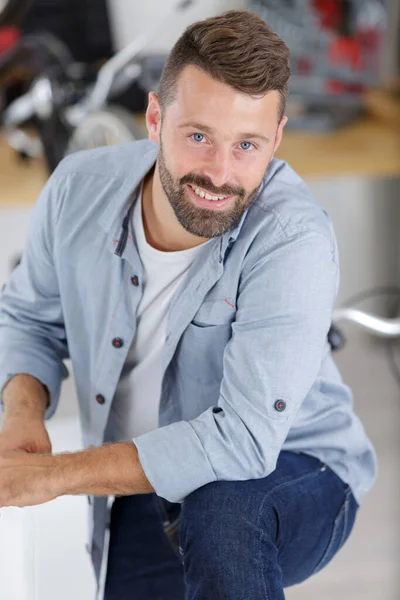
[(207, 129)]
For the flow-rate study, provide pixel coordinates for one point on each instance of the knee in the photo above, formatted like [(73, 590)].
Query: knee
[(206, 513), (225, 519), (227, 538)]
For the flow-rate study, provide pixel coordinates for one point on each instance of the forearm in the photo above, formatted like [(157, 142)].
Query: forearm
[(111, 469), (24, 396)]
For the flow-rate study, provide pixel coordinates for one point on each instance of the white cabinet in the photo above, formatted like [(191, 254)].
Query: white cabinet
[(43, 548)]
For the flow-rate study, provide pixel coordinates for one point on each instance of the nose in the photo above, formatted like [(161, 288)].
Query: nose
[(218, 167)]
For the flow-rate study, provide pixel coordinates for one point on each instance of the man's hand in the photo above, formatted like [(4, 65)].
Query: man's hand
[(30, 479), (26, 435)]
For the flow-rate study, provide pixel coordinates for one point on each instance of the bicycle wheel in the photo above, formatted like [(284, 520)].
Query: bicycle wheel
[(107, 127)]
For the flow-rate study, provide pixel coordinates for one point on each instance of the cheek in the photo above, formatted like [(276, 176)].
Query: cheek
[(250, 171), (174, 160), (187, 159)]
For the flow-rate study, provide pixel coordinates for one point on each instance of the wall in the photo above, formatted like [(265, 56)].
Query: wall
[(129, 18), (366, 214)]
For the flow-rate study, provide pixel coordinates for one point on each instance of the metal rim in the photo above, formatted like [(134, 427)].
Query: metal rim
[(108, 127)]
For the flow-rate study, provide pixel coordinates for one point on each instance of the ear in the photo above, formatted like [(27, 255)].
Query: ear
[(153, 118), (279, 133)]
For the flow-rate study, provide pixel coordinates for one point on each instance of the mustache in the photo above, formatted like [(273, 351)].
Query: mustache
[(204, 182)]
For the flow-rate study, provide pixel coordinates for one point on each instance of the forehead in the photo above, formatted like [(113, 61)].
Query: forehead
[(200, 96)]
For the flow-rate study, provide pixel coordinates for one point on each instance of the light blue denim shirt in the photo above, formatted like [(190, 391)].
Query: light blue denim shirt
[(247, 368)]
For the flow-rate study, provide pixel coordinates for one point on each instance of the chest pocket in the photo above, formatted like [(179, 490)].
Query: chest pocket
[(220, 311), (204, 340)]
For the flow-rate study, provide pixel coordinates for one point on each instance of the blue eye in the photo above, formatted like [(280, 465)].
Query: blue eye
[(198, 137), (246, 145)]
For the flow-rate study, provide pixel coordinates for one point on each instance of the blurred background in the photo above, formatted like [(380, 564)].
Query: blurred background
[(76, 75)]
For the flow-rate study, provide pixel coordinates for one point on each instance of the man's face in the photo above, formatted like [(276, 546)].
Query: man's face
[(214, 141)]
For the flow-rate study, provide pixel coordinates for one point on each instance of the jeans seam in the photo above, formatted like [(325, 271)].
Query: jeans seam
[(345, 509), (326, 552), (260, 547), (346, 518)]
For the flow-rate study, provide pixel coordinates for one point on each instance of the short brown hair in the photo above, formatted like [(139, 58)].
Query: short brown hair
[(237, 48)]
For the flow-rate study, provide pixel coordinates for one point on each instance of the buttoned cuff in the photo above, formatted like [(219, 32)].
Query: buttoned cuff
[(174, 461)]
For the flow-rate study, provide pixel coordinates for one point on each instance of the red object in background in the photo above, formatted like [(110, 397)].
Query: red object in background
[(372, 40), (8, 37), (346, 50), (330, 13)]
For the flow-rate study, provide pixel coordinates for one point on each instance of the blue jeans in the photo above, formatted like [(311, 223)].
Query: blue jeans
[(230, 540)]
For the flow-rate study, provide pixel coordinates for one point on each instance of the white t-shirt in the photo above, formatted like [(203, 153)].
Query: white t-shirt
[(135, 406)]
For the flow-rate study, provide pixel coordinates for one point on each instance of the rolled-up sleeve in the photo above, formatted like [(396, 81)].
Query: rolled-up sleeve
[(279, 339), (32, 333)]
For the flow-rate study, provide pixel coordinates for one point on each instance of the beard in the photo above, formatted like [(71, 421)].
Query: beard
[(203, 222)]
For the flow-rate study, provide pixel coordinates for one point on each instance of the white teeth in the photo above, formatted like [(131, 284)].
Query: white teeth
[(202, 194)]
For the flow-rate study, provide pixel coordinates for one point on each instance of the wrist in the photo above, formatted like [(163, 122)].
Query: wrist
[(24, 397), (111, 469), (23, 419)]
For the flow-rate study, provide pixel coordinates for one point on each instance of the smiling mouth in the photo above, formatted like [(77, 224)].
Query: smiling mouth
[(207, 195)]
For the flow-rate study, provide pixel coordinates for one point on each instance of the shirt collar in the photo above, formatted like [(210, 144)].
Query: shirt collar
[(139, 164), (230, 236)]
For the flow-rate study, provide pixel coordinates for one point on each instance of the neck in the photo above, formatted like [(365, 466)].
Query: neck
[(162, 229)]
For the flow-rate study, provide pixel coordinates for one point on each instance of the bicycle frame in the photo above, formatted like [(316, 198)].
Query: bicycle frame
[(386, 328)]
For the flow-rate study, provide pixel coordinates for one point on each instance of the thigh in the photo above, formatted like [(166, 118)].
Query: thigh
[(295, 519), (314, 514), (141, 561)]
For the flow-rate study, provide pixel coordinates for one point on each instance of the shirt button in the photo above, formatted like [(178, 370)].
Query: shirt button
[(135, 280), (280, 405), (117, 343), (100, 399)]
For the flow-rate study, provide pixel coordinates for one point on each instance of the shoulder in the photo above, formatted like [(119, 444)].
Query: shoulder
[(106, 161), (86, 183), (285, 211)]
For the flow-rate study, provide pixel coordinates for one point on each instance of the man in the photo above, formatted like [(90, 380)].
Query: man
[(191, 280)]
